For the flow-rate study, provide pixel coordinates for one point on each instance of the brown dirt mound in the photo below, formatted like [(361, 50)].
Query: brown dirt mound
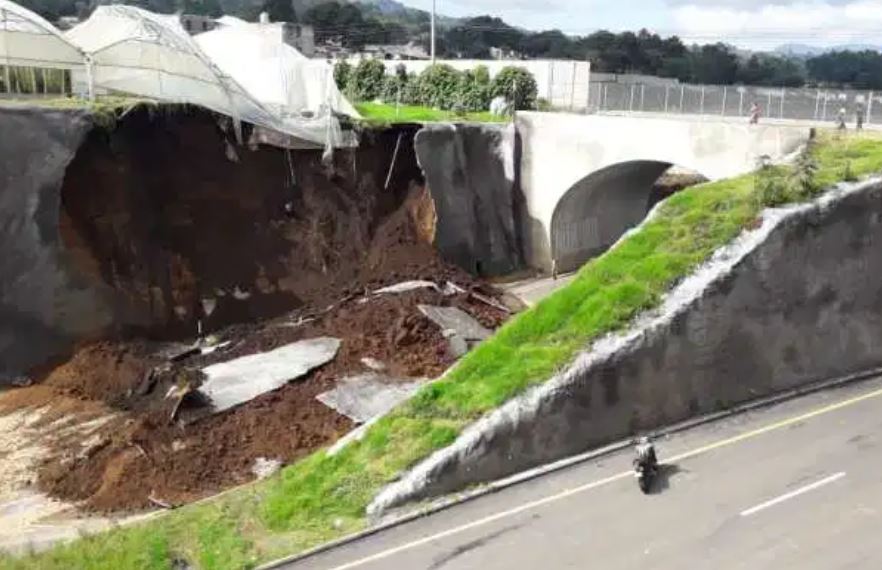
[(143, 453)]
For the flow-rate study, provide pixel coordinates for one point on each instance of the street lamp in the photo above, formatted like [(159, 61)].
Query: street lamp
[(433, 32)]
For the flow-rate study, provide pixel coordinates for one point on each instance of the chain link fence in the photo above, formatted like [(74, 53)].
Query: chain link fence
[(801, 104)]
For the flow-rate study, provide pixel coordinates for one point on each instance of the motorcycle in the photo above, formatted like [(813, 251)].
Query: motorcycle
[(645, 474)]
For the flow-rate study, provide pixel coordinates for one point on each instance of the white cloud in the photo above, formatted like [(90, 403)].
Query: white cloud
[(773, 24)]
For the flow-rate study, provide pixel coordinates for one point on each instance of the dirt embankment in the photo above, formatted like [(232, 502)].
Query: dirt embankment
[(262, 247)]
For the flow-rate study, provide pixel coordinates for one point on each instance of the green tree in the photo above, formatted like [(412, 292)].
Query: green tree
[(280, 10), (366, 80), (517, 85)]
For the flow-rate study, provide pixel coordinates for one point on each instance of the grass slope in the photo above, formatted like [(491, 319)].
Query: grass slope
[(388, 114), (324, 497)]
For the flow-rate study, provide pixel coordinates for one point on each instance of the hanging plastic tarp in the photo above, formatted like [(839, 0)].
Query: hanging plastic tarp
[(300, 90), (27, 40)]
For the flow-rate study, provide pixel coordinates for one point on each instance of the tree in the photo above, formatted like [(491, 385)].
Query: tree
[(517, 85), (714, 64), (366, 80), (280, 10)]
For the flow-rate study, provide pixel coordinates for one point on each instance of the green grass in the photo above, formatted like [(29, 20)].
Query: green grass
[(324, 497), (380, 113)]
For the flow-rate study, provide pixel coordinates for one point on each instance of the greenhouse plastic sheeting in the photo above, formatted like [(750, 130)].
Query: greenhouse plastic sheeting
[(301, 91), (256, 56), (150, 55), (28, 40)]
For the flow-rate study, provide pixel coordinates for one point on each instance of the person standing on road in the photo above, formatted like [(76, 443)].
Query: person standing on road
[(755, 112), (859, 116), (842, 117)]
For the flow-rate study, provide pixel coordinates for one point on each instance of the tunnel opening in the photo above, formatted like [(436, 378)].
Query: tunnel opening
[(601, 207)]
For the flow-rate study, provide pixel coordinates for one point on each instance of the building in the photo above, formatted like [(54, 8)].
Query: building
[(196, 24), (411, 51), (300, 37)]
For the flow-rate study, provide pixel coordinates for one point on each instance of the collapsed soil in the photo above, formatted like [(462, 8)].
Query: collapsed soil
[(142, 457)]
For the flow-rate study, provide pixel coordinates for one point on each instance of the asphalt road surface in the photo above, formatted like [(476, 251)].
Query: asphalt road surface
[(798, 485)]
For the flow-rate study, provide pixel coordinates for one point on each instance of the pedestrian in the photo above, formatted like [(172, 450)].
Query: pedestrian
[(755, 112), (841, 117), (859, 116)]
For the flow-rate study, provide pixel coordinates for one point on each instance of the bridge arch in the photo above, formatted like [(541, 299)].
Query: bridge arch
[(594, 213)]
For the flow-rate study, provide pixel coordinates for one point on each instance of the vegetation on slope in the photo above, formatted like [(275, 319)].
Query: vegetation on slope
[(325, 496)]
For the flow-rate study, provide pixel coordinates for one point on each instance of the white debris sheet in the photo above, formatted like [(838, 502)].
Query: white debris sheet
[(235, 382), (457, 321), (364, 397)]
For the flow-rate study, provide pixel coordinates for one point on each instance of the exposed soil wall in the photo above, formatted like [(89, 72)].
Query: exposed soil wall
[(131, 230), (170, 212), (796, 300), (471, 172)]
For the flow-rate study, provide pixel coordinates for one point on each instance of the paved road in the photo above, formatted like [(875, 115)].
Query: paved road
[(795, 486), (531, 291)]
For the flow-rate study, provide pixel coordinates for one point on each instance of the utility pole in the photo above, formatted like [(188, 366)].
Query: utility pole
[(433, 31)]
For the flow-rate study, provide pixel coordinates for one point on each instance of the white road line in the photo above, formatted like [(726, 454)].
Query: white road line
[(792, 494)]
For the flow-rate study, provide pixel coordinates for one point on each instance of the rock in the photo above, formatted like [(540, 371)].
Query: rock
[(264, 467)]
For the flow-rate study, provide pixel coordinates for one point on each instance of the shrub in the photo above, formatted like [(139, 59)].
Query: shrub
[(517, 85), (342, 73), (366, 80), (474, 90), (439, 87)]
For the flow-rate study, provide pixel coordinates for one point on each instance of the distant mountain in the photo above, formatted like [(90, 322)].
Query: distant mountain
[(805, 50)]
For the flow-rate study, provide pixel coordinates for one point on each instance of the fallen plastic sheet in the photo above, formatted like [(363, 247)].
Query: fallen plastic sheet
[(456, 320), (235, 382), (405, 287), (364, 397), (460, 329)]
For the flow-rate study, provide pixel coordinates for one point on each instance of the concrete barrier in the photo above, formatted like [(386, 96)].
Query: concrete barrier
[(471, 172), (792, 302)]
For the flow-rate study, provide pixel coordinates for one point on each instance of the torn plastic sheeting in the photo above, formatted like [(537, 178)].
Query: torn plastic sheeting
[(362, 398), (238, 381), (452, 319), (407, 286)]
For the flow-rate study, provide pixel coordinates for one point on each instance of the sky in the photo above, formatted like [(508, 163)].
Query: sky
[(750, 24)]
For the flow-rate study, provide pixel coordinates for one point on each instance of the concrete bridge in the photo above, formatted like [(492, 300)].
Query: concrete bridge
[(586, 179)]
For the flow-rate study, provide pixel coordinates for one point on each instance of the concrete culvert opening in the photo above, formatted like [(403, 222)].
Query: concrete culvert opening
[(601, 207)]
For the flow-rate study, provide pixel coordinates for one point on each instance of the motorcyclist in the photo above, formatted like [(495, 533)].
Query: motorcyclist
[(645, 452)]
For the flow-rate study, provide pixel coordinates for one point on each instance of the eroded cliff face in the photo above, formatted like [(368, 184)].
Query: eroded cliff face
[(471, 173), (163, 221), (795, 301)]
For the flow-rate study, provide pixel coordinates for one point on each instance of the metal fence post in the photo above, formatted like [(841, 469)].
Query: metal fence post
[(682, 95), (781, 107), (870, 108), (741, 101), (725, 93), (551, 83), (605, 90), (769, 104), (573, 89), (817, 104), (642, 96), (667, 93), (824, 116), (631, 103), (701, 105)]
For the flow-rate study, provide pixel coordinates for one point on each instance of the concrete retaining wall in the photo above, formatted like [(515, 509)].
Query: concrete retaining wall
[(45, 302), (470, 171), (797, 300)]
